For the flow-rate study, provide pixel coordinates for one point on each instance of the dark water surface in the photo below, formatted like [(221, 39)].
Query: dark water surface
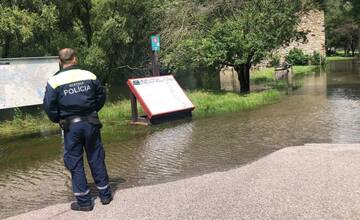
[(324, 110)]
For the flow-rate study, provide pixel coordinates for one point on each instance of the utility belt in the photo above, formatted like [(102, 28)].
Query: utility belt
[(93, 119)]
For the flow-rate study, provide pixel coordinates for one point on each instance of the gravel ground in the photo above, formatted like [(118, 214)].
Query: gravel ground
[(315, 181)]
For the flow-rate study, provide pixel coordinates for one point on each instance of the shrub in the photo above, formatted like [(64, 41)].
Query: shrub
[(317, 59), (297, 57), (274, 60)]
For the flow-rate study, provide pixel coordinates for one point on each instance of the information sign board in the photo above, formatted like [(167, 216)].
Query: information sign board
[(160, 95), (23, 80)]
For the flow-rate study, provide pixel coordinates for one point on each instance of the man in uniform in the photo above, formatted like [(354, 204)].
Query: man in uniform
[(72, 98)]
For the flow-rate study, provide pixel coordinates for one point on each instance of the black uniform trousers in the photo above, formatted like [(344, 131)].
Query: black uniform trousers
[(83, 135)]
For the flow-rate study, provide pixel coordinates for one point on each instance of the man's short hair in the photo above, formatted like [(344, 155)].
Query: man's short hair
[(66, 55)]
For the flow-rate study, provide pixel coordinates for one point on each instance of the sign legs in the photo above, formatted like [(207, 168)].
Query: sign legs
[(135, 119)]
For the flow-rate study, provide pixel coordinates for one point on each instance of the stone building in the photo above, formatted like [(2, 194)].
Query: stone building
[(313, 23)]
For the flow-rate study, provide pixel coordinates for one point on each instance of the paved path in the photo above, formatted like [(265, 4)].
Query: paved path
[(306, 182)]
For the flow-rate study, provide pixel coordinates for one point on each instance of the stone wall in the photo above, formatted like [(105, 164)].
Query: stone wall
[(314, 23), (229, 79)]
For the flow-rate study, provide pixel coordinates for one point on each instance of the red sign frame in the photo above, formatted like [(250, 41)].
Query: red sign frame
[(144, 104)]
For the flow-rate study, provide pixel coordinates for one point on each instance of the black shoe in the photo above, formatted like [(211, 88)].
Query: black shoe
[(107, 200), (76, 207)]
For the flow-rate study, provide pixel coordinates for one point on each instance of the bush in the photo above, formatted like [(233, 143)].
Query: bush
[(317, 59), (297, 57), (274, 60)]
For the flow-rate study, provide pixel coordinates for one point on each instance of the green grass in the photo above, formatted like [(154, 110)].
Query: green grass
[(209, 103), (116, 113), (206, 102), (338, 58), (116, 116), (26, 124), (342, 53), (266, 75), (304, 70)]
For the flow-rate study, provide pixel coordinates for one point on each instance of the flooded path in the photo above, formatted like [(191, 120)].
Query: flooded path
[(324, 110)]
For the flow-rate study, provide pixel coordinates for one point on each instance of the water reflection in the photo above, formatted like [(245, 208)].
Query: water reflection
[(324, 110), (163, 152)]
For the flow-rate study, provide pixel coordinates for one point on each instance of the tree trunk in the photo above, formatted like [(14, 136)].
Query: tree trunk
[(85, 17), (353, 46), (87, 28), (358, 43), (6, 48), (243, 71)]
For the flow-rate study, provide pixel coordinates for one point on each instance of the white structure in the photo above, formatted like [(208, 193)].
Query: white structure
[(23, 80)]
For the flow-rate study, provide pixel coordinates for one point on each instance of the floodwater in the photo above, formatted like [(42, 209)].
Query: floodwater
[(324, 110)]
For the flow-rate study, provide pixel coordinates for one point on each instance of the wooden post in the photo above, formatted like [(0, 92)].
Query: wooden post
[(155, 64), (134, 110), (155, 48)]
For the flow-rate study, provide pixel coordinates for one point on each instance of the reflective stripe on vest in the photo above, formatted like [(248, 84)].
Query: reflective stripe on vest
[(70, 76)]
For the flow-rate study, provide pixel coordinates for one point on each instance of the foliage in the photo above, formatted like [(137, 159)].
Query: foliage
[(297, 57), (120, 34), (112, 37), (245, 35), (274, 60), (342, 28), (109, 35), (240, 36), (317, 59)]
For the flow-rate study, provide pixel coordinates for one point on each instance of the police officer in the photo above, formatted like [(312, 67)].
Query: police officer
[(72, 98)]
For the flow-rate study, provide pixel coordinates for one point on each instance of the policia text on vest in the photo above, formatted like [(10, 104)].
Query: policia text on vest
[(76, 88)]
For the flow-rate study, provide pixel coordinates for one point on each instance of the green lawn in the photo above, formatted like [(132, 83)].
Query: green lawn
[(337, 58)]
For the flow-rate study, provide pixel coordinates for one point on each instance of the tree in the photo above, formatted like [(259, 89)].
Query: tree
[(341, 27), (23, 26), (15, 25), (239, 34), (355, 12), (121, 30), (76, 13)]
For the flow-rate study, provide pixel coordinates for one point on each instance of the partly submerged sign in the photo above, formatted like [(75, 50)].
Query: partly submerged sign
[(23, 80), (160, 95)]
